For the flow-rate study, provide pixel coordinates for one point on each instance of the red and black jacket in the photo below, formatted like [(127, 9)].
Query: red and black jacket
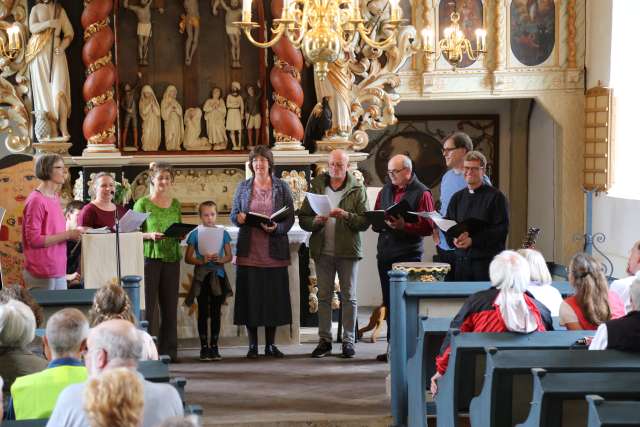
[(480, 314)]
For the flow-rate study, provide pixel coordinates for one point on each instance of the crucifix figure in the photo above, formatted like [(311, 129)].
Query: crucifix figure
[(190, 23), (143, 13), (233, 14)]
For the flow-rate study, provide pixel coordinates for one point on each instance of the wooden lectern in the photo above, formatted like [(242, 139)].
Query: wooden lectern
[(99, 259)]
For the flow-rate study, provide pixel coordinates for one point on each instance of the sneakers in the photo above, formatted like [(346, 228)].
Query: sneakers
[(323, 349), (348, 351), (253, 352), (214, 354), (273, 351), (204, 354)]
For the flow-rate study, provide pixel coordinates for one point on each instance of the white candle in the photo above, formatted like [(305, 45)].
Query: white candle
[(285, 9), (480, 39), (426, 38), (246, 10), (395, 9), (13, 34)]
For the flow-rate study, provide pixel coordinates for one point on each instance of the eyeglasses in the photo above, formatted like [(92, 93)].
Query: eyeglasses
[(394, 172)]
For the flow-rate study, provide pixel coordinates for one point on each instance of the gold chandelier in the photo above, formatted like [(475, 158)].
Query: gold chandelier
[(11, 48), (454, 45), (321, 28)]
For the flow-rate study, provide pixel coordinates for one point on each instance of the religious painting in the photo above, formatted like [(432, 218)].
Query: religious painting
[(17, 180), (532, 32), (470, 12), (421, 138)]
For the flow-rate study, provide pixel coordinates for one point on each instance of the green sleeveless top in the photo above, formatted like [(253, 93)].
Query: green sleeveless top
[(167, 249)]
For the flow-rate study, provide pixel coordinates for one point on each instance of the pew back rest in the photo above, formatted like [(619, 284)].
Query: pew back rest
[(612, 413)]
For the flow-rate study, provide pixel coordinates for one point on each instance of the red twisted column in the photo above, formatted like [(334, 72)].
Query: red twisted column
[(287, 91), (98, 90)]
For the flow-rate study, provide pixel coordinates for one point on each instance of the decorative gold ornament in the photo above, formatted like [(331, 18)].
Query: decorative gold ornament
[(99, 138), (454, 45), (14, 43), (95, 27), (322, 29)]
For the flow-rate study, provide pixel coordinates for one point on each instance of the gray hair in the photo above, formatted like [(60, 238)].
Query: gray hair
[(120, 342), (510, 272), (17, 324), (476, 156), (537, 266), (634, 292), (66, 330), (460, 140)]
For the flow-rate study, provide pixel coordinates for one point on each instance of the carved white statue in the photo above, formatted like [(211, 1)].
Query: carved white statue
[(233, 14), (171, 111), (150, 113), (192, 129), (143, 30), (190, 23), (214, 115), (48, 62), (235, 112)]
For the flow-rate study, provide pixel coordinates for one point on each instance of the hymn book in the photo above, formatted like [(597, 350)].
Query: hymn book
[(255, 219)]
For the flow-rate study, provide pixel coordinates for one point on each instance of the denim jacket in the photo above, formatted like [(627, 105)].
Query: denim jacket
[(278, 240)]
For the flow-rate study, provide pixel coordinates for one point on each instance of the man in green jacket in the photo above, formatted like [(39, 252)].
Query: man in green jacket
[(336, 246)]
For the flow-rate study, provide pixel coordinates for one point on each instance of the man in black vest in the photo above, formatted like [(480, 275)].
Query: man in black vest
[(401, 241), (476, 248), (623, 333)]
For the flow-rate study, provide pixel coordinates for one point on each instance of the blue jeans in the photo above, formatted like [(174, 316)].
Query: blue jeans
[(347, 268)]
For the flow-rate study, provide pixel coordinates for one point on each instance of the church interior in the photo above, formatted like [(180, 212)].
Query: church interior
[(201, 92)]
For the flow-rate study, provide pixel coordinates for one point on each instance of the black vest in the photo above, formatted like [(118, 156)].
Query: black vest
[(393, 244), (624, 333)]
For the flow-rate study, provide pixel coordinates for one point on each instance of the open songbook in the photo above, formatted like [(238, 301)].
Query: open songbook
[(451, 228), (377, 217), (255, 219)]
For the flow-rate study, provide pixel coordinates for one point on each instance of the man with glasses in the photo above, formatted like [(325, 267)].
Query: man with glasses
[(336, 246), (474, 251), (400, 241), (454, 148)]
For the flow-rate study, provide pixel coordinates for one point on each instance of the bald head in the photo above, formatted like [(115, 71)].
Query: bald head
[(399, 169), (338, 165), (66, 333)]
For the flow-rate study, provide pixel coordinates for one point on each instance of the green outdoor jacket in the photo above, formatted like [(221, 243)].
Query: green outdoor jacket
[(348, 240)]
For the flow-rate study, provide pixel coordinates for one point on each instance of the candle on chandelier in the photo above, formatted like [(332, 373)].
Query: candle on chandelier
[(395, 10), (481, 40), (13, 33), (426, 39), (285, 9), (246, 10)]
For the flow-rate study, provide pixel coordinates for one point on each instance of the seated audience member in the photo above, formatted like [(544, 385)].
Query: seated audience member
[(34, 396), (505, 307), (621, 286), (540, 283), (114, 398), (593, 302), (188, 421), (115, 344), (23, 295), (17, 330), (71, 212), (112, 302), (622, 333)]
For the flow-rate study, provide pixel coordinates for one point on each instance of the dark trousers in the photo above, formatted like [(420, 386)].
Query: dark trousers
[(161, 281), (448, 257), (383, 271), (472, 269), (209, 308)]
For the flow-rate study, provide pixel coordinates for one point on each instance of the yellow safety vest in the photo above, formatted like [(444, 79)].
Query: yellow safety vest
[(34, 396)]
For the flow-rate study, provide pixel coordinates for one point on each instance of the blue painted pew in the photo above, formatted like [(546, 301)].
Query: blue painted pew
[(405, 319), (492, 407), (605, 413), (52, 301), (552, 389), (25, 423)]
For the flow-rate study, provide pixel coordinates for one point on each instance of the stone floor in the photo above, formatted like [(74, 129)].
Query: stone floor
[(294, 391)]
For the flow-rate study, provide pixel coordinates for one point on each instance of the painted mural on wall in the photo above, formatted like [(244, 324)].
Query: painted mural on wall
[(532, 33), (470, 19), (17, 180), (420, 138)]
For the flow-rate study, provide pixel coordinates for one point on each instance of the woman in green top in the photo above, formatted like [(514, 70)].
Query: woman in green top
[(161, 259)]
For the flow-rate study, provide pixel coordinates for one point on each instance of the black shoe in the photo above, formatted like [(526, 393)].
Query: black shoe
[(347, 350), (273, 351), (323, 349), (204, 354), (214, 354), (384, 357), (253, 352)]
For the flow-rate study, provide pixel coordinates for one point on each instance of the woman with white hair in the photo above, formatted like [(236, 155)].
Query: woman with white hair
[(540, 282), (505, 307), (17, 330)]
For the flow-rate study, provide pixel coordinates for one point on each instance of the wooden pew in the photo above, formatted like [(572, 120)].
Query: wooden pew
[(52, 301), (492, 408), (442, 299), (605, 413), (552, 389)]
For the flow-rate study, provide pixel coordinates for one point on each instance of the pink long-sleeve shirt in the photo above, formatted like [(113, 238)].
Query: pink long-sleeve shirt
[(43, 217)]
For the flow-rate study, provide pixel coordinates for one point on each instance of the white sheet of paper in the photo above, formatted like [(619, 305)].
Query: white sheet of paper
[(132, 220), (209, 239), (320, 203), (441, 223), (101, 230)]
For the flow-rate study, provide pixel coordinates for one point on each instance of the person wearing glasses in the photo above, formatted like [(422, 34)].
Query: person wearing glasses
[(400, 241), (474, 251), (454, 148)]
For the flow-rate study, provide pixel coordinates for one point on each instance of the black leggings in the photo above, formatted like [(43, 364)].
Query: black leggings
[(209, 307)]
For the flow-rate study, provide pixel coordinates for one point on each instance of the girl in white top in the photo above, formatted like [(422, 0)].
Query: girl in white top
[(540, 283)]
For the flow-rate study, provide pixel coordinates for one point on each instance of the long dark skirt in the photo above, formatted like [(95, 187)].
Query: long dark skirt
[(262, 296)]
